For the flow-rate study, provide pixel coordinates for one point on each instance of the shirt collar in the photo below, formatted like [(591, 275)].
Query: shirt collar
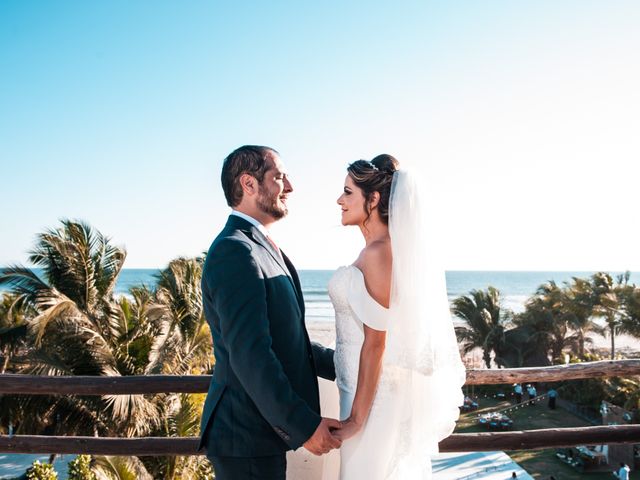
[(252, 221)]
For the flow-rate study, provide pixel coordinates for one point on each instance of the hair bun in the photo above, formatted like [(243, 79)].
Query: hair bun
[(386, 163)]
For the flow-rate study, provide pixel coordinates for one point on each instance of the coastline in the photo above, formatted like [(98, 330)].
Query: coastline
[(627, 346)]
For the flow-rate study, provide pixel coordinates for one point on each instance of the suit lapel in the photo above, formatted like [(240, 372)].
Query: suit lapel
[(259, 237), (236, 222), (283, 261), (296, 281)]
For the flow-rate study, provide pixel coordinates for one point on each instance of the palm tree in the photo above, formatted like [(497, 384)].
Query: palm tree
[(135, 330), (183, 341), (181, 345), (544, 313), (542, 334), (80, 271), (629, 296), (562, 315), (579, 305), (78, 330), (484, 327), (75, 325), (607, 304), (181, 415)]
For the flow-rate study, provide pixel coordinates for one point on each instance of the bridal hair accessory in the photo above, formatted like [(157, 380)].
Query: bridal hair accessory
[(389, 171)]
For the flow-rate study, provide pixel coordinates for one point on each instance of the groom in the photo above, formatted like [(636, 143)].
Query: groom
[(263, 399)]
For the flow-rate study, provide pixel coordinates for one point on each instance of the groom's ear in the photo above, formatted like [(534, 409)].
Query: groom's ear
[(249, 184)]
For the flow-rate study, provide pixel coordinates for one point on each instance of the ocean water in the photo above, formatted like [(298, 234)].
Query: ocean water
[(515, 286)]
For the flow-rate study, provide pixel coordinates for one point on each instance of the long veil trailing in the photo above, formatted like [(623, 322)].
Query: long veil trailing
[(421, 342)]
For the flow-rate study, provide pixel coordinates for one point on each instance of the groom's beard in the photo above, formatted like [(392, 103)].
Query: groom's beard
[(269, 204)]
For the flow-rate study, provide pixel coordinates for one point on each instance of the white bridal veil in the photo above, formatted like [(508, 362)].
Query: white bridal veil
[(421, 342)]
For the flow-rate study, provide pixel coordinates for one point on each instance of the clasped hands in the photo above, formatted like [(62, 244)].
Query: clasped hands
[(330, 434)]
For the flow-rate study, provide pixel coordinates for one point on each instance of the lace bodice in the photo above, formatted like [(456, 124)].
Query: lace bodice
[(353, 306)]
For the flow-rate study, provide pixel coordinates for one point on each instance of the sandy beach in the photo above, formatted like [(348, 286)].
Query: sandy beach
[(322, 332)]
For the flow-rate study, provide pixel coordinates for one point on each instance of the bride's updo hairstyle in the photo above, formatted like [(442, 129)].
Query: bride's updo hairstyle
[(375, 176)]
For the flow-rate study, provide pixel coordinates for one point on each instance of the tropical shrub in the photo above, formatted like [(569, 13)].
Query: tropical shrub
[(41, 471), (80, 468)]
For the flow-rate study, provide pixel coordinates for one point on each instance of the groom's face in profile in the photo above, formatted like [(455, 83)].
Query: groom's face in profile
[(274, 189)]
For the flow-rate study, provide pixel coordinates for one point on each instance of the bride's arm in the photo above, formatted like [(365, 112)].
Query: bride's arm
[(376, 267), (368, 376)]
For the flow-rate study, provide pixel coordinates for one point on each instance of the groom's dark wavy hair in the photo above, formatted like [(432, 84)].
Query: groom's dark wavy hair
[(375, 176), (251, 159)]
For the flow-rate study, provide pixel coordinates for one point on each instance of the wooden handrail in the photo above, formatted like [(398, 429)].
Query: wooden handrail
[(150, 384), (540, 439), (459, 442), (93, 385), (555, 373)]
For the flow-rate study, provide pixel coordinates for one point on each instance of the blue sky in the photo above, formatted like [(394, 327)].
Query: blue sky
[(523, 115)]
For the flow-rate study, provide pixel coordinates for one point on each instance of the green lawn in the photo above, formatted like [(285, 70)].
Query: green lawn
[(539, 463)]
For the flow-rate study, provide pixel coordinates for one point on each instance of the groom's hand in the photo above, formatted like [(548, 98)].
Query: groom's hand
[(323, 441)]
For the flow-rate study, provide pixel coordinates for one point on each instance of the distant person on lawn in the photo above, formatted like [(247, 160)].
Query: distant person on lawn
[(552, 394), (517, 390), (623, 472)]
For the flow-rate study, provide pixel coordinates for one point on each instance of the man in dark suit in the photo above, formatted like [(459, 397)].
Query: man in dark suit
[(263, 399)]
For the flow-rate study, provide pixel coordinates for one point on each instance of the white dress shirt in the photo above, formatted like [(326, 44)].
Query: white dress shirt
[(252, 221), (259, 226)]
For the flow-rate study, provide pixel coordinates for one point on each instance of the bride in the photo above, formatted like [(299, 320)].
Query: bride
[(398, 367)]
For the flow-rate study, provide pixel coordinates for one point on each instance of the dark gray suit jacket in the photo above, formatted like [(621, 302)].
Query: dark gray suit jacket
[(263, 398)]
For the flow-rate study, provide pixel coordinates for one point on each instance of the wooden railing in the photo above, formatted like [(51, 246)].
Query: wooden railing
[(460, 442)]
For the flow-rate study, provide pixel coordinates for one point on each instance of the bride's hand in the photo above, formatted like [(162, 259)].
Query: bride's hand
[(348, 429)]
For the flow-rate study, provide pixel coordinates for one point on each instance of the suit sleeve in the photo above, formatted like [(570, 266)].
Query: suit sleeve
[(323, 359), (239, 296)]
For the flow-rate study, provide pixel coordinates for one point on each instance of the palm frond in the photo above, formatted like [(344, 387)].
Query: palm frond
[(59, 312), (26, 285), (134, 415), (119, 468)]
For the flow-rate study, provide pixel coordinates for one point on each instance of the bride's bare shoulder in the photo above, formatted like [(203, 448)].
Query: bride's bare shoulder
[(375, 262), (376, 253), (374, 256)]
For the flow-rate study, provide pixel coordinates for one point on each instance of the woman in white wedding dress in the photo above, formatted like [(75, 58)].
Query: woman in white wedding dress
[(398, 368)]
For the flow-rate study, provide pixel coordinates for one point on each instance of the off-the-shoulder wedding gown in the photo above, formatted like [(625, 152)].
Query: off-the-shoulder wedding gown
[(378, 450)]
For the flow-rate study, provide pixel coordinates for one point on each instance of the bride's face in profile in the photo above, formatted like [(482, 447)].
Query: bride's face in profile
[(352, 203)]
